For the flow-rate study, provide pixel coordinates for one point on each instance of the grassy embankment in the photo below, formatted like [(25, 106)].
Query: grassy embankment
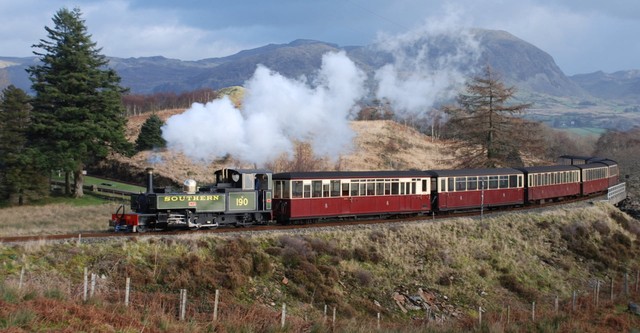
[(62, 215), (457, 266)]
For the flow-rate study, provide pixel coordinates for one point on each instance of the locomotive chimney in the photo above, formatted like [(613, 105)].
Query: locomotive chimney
[(149, 180)]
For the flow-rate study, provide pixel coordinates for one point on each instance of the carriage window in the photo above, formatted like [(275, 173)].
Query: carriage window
[(335, 188), (296, 189), (395, 187), (461, 183), (345, 189), (450, 184), (472, 183), (504, 181), (317, 188), (325, 190), (363, 188), (387, 188), (371, 188), (493, 182), (286, 190), (483, 182), (277, 189), (414, 188), (424, 185), (443, 184), (354, 188), (307, 190), (380, 187), (513, 181)]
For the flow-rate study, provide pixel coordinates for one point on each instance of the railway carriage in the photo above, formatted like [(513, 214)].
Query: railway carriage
[(549, 183), (595, 178), (476, 188), (311, 196), (613, 173)]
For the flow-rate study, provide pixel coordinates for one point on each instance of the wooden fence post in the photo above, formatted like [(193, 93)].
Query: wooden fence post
[(215, 306), (611, 289), (626, 284), (183, 303), (21, 278), (480, 317), (378, 320), (324, 320), (533, 311), (556, 305), (284, 314), (508, 314), (86, 282), (333, 322), (573, 302), (127, 289), (93, 285)]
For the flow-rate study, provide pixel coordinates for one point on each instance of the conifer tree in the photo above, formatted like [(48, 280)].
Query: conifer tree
[(484, 121), (150, 136), (21, 179), (77, 117)]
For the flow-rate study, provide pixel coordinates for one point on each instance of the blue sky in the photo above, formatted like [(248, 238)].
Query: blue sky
[(583, 36)]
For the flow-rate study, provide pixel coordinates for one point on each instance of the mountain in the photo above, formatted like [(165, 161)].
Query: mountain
[(520, 63), (621, 85)]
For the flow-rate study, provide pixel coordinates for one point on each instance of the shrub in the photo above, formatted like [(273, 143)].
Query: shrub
[(511, 283), (363, 277), (601, 227)]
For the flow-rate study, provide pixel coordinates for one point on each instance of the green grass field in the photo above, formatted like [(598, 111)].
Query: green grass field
[(586, 131)]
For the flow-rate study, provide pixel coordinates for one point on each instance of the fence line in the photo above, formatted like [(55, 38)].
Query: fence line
[(200, 305)]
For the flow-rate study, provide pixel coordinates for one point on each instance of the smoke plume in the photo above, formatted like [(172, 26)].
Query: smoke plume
[(275, 112)]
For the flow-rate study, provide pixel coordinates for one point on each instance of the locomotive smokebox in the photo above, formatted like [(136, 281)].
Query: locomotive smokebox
[(149, 180)]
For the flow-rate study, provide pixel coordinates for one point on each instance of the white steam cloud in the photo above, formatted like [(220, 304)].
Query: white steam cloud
[(429, 64), (276, 110)]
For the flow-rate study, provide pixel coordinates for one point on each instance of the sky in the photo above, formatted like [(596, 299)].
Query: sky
[(583, 36)]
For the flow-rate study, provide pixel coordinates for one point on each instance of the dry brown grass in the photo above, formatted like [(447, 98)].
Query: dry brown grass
[(54, 219)]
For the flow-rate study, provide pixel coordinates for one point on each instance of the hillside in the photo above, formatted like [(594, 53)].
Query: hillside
[(418, 277), (379, 145)]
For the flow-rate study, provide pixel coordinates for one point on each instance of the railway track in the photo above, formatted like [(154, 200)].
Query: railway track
[(96, 235)]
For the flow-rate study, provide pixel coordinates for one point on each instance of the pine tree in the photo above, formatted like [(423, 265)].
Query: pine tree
[(484, 123), (21, 179), (150, 136), (77, 117)]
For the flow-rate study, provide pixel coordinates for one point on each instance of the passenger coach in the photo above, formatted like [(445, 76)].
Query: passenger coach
[(595, 177), (310, 196), (475, 188), (547, 183)]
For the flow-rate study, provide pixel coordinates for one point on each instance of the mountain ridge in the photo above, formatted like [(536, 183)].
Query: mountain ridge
[(530, 69)]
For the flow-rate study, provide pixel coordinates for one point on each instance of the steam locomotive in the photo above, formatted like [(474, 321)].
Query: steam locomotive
[(237, 198), (245, 197)]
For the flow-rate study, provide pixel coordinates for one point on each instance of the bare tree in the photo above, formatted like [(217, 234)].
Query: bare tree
[(484, 122)]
